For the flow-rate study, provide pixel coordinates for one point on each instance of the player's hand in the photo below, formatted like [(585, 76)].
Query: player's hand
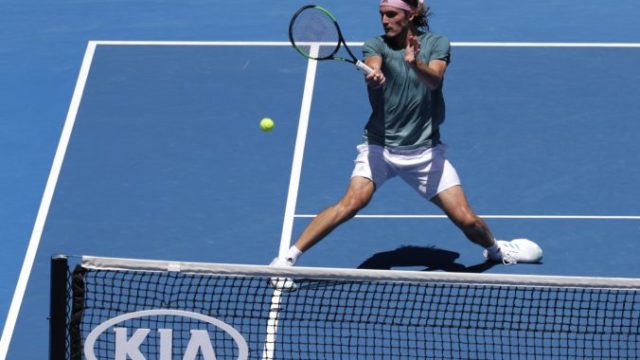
[(412, 49), (375, 79)]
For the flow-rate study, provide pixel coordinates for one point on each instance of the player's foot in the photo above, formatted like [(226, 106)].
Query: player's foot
[(516, 251), (281, 283)]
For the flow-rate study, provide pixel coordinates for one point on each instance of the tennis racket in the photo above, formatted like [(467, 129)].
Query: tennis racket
[(315, 34)]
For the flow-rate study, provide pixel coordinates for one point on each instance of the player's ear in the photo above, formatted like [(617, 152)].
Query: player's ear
[(412, 15)]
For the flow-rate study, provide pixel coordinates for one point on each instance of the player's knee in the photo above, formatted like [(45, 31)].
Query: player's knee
[(349, 206), (470, 223), (352, 207)]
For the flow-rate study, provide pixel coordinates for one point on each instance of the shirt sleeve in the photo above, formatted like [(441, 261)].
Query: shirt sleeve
[(372, 47), (441, 49)]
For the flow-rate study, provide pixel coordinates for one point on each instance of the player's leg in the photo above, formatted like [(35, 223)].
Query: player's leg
[(357, 196), (370, 172), (429, 172), (435, 178), (454, 204)]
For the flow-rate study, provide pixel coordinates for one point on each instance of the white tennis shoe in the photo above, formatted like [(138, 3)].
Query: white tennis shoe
[(282, 283), (516, 251)]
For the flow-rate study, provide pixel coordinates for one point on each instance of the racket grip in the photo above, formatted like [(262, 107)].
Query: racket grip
[(362, 66)]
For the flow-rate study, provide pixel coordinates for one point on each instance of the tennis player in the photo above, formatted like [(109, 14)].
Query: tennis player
[(402, 135)]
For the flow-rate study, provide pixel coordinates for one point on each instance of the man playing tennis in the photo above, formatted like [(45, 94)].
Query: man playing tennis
[(402, 135)]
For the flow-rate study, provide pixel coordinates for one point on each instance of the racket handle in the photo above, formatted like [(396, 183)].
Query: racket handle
[(362, 66)]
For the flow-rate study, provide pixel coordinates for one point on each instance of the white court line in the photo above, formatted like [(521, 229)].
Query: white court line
[(191, 43), (38, 227), (548, 44), (523, 217), (298, 154), (360, 43), (292, 198)]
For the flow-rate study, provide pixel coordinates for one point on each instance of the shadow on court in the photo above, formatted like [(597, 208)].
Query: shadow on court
[(430, 257)]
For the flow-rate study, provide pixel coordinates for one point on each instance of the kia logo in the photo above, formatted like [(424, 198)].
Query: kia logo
[(127, 346)]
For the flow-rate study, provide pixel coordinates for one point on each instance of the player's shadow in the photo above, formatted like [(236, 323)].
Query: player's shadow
[(431, 258)]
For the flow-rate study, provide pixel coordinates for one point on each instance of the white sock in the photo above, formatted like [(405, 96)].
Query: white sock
[(293, 254), (494, 249)]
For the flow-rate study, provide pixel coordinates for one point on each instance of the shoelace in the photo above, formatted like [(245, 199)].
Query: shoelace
[(509, 254)]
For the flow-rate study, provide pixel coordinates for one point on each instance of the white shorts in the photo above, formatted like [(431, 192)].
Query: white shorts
[(424, 169)]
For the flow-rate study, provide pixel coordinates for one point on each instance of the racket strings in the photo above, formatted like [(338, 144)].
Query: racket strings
[(313, 26)]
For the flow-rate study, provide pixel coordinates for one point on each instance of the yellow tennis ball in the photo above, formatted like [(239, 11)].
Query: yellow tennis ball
[(266, 124)]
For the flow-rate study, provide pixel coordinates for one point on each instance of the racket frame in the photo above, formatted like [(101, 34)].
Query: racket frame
[(341, 41)]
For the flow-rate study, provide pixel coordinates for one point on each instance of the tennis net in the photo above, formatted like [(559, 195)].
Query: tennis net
[(108, 308)]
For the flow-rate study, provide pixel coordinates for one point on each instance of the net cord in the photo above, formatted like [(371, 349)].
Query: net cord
[(339, 274)]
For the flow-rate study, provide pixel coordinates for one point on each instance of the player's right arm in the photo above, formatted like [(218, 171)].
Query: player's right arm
[(372, 54), (376, 78)]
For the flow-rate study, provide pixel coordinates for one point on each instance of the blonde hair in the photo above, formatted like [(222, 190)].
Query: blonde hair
[(423, 12)]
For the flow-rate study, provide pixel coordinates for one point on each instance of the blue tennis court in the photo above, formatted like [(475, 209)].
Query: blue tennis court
[(159, 154)]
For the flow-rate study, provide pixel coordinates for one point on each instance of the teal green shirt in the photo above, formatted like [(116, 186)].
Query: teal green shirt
[(405, 112)]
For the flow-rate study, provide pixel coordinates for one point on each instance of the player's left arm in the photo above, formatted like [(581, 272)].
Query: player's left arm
[(431, 72)]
